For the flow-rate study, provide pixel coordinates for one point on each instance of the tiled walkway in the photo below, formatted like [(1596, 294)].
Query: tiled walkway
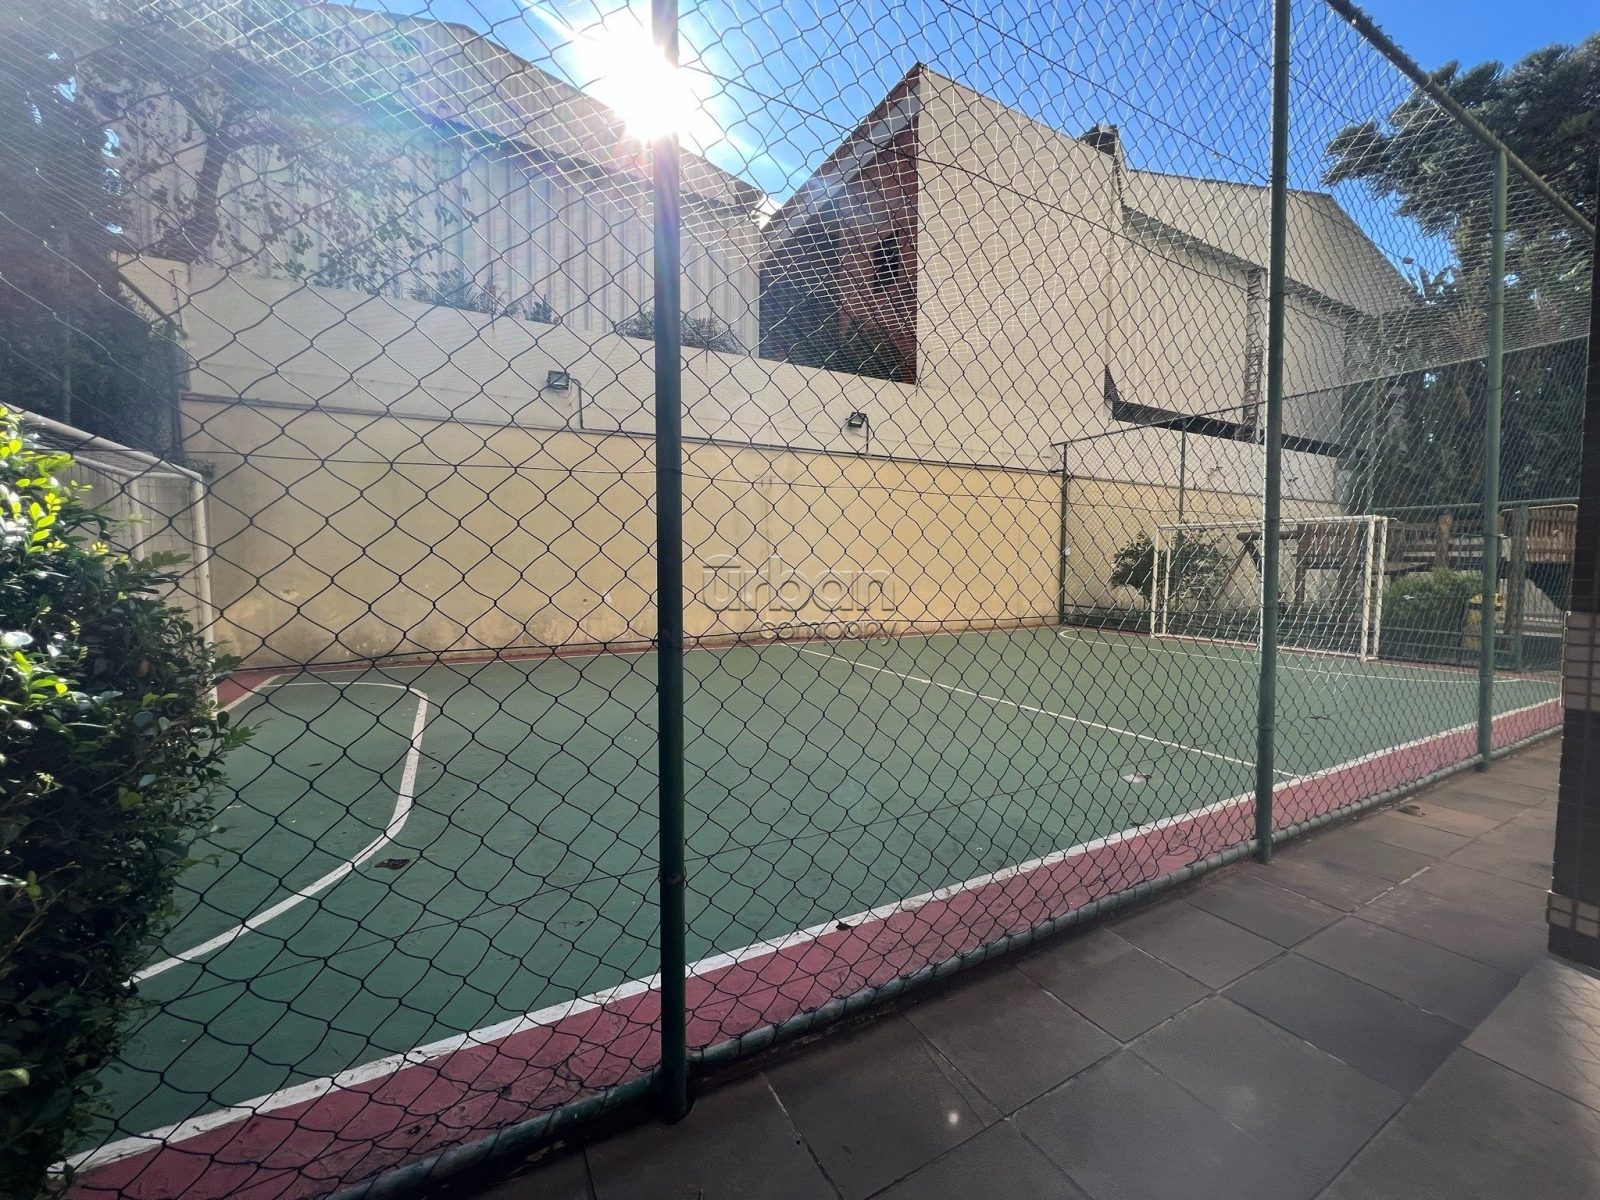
[(1371, 1017)]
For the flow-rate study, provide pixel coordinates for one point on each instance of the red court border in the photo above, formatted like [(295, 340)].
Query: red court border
[(311, 1148)]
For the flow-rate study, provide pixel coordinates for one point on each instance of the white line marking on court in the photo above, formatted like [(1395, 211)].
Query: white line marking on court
[(490, 1034), (379, 1068), (1043, 712), (1463, 676), (397, 822), (249, 694)]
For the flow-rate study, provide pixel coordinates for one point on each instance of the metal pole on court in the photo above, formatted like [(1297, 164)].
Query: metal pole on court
[(1491, 464), (669, 589), (1061, 560), (1272, 483)]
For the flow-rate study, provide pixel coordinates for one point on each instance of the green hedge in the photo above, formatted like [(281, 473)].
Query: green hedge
[(1425, 614), (109, 746)]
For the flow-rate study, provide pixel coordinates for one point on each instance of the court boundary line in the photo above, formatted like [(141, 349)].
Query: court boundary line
[(488, 1035), (1045, 712), (1461, 676), (174, 1136), (398, 817)]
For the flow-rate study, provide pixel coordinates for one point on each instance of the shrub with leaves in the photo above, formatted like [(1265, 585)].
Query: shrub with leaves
[(457, 289), (110, 744), (1431, 602), (1196, 569), (701, 333)]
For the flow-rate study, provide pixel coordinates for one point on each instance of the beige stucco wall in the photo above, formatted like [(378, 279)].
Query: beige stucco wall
[(1013, 267), (338, 537)]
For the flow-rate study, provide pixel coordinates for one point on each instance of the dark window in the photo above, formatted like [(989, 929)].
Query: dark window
[(887, 268)]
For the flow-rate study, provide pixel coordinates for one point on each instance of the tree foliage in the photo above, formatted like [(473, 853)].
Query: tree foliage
[(261, 134), (109, 744), (1424, 412), (71, 345)]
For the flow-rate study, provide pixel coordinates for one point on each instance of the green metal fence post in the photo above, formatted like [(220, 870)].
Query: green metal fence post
[(1491, 465), (1061, 558), (1183, 471), (669, 589), (1517, 583), (1272, 483)]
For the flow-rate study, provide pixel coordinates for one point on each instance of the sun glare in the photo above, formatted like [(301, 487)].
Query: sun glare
[(634, 78)]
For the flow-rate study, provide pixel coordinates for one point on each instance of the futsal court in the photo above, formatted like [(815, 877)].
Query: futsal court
[(421, 860)]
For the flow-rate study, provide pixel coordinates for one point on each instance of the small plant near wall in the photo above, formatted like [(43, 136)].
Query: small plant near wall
[(110, 746), (1195, 568), (457, 289), (702, 333)]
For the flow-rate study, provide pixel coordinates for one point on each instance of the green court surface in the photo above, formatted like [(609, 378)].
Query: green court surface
[(420, 852)]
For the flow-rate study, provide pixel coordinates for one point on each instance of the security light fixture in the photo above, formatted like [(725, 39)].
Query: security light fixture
[(557, 381), (856, 420)]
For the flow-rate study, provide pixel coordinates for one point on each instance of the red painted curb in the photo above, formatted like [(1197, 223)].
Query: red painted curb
[(310, 1148)]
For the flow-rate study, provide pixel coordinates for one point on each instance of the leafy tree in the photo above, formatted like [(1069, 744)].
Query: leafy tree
[(1427, 420), (259, 133), (70, 345)]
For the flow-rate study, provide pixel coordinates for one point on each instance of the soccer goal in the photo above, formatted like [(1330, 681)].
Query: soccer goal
[(156, 507), (1205, 583)]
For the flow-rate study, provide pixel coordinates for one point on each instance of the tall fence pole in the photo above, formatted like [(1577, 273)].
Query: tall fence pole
[(1491, 464), (1272, 482), (1063, 550), (669, 588)]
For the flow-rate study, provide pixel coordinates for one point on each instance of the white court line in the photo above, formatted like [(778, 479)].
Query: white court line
[(397, 822), (488, 1035), (1463, 676), (1043, 712)]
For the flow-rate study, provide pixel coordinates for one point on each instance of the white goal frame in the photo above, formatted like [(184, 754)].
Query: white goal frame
[(1166, 536), (161, 506)]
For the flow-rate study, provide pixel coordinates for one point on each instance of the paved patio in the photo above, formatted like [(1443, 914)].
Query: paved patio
[(1371, 1017)]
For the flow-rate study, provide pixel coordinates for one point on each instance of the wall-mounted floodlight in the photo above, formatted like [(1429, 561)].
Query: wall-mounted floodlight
[(856, 420), (557, 381)]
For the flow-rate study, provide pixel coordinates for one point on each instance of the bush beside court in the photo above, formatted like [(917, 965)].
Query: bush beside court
[(110, 743)]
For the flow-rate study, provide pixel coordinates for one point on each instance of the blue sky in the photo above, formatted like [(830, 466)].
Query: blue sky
[(1434, 32), (781, 82), (784, 80)]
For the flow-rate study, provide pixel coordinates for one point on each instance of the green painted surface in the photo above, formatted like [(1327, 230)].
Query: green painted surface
[(822, 780)]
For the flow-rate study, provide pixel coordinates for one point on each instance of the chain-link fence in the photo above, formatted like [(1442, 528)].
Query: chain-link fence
[(685, 595)]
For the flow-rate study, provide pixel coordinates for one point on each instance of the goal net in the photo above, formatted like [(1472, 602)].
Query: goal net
[(1206, 583), (156, 507)]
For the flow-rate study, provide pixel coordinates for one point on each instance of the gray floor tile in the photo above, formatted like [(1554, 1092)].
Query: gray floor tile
[(1440, 816), (1360, 851), (1116, 985), (1010, 1037), (1124, 1131), (1512, 945), (1270, 1083), (1403, 829), (1329, 883), (562, 1178), (1387, 1039), (1479, 1132), (735, 1143), (1458, 989), (1509, 862), (1263, 908), (1507, 899), (1549, 1030), (875, 1104), (1202, 946), (1492, 808), (999, 1162)]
